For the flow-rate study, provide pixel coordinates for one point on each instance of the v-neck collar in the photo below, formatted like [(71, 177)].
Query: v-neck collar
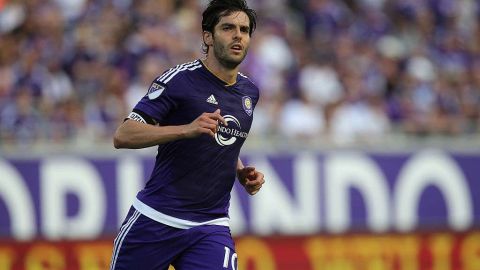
[(215, 77)]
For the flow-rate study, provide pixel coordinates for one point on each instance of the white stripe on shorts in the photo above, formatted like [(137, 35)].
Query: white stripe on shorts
[(117, 243)]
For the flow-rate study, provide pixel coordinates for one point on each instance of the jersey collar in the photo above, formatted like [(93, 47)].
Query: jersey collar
[(211, 74)]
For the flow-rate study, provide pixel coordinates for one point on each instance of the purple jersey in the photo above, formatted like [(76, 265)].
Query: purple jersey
[(191, 182)]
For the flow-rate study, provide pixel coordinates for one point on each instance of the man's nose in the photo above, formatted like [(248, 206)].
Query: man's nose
[(237, 34)]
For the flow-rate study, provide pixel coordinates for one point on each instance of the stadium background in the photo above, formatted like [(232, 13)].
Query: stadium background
[(368, 130)]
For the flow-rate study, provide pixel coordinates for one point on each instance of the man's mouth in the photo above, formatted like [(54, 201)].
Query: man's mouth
[(237, 48)]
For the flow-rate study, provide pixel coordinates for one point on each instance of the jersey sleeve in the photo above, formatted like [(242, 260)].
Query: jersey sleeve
[(155, 106), (254, 93), (256, 96)]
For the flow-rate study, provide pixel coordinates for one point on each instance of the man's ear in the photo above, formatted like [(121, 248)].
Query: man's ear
[(208, 38)]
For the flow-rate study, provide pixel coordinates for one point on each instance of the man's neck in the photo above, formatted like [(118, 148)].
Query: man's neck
[(229, 76)]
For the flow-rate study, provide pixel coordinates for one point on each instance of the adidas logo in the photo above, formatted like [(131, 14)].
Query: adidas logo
[(211, 99)]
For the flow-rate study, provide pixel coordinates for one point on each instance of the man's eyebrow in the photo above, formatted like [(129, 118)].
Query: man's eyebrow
[(227, 24), (232, 24)]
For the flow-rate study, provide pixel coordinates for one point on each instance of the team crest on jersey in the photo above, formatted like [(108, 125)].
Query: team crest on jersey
[(247, 105), (155, 91)]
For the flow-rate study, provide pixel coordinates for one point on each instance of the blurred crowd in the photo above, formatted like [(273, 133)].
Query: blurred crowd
[(339, 71)]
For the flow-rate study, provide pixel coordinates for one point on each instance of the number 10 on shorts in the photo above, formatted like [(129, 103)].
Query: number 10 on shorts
[(227, 259)]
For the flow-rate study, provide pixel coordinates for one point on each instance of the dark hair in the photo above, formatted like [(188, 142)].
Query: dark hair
[(217, 9)]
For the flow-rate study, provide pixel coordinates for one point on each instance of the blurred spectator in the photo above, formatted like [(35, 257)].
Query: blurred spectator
[(360, 116), (301, 120), (351, 71), (20, 120), (147, 69), (320, 84)]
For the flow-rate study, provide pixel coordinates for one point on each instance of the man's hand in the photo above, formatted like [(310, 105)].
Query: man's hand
[(206, 123), (251, 179)]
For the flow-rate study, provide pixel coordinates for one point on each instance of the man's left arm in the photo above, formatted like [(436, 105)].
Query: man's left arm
[(251, 179)]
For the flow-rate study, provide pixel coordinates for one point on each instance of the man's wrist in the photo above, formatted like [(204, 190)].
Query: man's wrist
[(238, 171), (182, 131)]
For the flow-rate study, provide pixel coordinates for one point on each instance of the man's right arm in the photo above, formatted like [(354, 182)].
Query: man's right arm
[(133, 134)]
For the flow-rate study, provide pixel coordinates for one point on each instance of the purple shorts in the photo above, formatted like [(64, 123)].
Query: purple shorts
[(143, 243)]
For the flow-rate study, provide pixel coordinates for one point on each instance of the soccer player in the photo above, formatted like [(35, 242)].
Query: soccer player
[(199, 114)]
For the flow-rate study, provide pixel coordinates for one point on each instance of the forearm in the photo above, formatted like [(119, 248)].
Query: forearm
[(239, 164), (239, 168), (132, 134)]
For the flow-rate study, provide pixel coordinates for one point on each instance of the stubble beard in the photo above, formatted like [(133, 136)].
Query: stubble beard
[(221, 54)]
